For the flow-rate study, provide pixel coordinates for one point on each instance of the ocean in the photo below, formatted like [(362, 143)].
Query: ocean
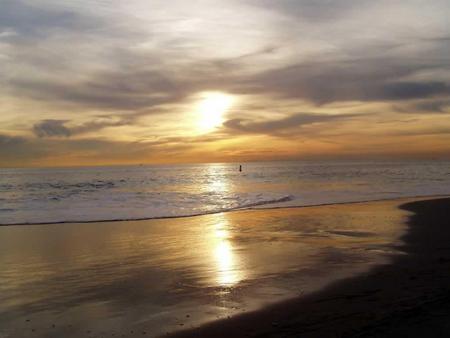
[(87, 194)]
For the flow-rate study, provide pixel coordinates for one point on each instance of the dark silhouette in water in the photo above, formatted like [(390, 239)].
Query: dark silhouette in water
[(240, 168)]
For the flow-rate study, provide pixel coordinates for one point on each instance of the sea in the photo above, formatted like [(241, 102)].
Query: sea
[(112, 193)]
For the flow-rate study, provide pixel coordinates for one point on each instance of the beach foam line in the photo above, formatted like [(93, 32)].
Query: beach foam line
[(262, 205), (243, 206)]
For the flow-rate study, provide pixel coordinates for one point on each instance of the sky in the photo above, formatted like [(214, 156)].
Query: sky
[(95, 82)]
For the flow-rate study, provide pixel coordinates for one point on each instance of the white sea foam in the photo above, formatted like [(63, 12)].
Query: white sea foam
[(140, 192)]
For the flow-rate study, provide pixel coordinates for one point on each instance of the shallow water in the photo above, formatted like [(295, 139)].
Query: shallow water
[(136, 192), (158, 276)]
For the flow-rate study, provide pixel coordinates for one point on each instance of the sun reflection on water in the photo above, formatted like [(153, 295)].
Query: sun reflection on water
[(227, 265), (223, 251)]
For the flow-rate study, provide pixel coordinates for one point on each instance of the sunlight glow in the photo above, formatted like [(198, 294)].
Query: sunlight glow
[(211, 109), (226, 261), (227, 271)]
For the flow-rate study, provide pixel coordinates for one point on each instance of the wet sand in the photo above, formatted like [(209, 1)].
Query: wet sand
[(331, 271), (410, 297)]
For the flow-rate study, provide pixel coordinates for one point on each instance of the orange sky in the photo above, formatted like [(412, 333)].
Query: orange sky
[(100, 82)]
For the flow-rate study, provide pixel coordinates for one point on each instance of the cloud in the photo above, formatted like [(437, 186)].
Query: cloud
[(280, 126), (434, 106), (17, 150), (78, 67), (365, 80), (6, 140), (32, 20), (51, 128), (58, 128), (112, 90), (426, 106), (133, 68), (410, 90), (312, 9), (24, 151), (350, 80), (423, 131)]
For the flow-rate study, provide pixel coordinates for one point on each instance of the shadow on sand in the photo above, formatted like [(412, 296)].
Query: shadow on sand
[(408, 298)]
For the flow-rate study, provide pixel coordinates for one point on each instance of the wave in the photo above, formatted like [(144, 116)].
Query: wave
[(136, 193), (93, 219), (263, 205)]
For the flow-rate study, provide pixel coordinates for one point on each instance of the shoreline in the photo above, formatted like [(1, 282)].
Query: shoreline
[(275, 272), (238, 209), (408, 297)]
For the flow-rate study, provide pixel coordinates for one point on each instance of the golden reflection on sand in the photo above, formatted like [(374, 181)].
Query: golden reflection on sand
[(227, 267)]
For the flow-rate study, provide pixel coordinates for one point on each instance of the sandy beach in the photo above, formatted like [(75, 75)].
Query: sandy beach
[(410, 297), (345, 270)]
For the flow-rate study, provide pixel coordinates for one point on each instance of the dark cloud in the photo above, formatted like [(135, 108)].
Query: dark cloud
[(443, 38), (51, 128), (278, 127), (58, 128), (427, 131), (427, 106), (10, 141), (34, 21), (321, 83), (23, 151), (312, 9), (352, 80), (16, 148), (435, 106), (112, 90), (410, 90)]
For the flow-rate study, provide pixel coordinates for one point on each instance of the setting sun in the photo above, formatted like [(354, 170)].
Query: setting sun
[(211, 109)]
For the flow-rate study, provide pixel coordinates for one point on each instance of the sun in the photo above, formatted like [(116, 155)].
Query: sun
[(211, 108)]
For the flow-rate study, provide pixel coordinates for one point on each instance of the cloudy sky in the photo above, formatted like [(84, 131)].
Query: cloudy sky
[(87, 82)]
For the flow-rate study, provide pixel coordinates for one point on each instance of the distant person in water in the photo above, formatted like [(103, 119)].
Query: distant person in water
[(240, 167)]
